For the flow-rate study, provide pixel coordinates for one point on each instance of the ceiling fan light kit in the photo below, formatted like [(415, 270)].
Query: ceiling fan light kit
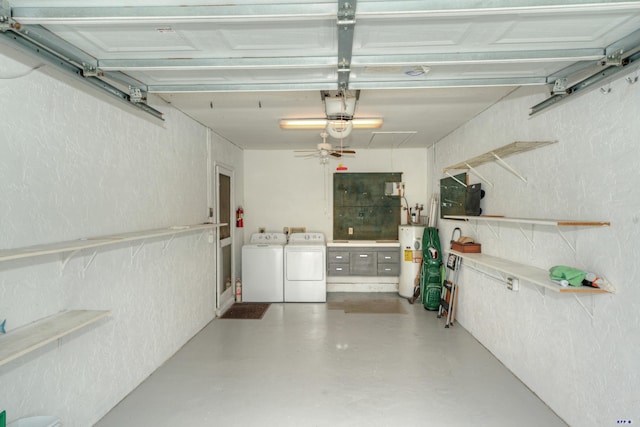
[(339, 108), (339, 129)]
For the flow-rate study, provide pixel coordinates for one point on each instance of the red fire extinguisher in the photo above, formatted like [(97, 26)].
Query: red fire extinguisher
[(239, 217)]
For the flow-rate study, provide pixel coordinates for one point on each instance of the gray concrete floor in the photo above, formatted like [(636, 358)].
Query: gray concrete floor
[(310, 365)]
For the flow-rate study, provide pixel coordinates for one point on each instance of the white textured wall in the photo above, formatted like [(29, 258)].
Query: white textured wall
[(587, 370), (73, 165), (282, 190)]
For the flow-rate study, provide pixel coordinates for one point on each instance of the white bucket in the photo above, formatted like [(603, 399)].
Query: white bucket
[(42, 421)]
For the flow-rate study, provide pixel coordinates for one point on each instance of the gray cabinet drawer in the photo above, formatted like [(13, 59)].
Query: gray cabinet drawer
[(389, 256), (363, 263), (338, 270), (389, 262), (388, 269), (337, 256)]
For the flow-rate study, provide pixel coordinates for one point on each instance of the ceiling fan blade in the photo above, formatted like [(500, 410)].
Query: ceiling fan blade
[(346, 151), (335, 154)]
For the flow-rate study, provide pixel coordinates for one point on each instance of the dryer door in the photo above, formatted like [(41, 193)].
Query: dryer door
[(305, 263)]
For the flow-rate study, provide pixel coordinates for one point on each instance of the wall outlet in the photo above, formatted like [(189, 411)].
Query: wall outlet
[(513, 284), (350, 231)]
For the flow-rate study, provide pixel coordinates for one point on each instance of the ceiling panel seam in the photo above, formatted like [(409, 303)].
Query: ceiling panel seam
[(204, 13), (391, 84), (582, 54), (474, 7), (97, 15), (215, 63)]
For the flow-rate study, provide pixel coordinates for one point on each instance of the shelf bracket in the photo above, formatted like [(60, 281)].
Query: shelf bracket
[(484, 273), (476, 173), (492, 230), (137, 250), (542, 291), (475, 227), (566, 240), (456, 179), (530, 239), (507, 167), (166, 245), (66, 259), (589, 310), (86, 266), (199, 238)]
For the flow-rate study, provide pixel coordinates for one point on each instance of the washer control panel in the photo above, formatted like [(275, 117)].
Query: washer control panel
[(266, 238)]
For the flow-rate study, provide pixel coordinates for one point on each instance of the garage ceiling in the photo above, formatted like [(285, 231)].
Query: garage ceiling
[(238, 67)]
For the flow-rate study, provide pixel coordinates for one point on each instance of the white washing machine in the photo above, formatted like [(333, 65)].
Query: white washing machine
[(305, 278), (410, 237), (263, 268)]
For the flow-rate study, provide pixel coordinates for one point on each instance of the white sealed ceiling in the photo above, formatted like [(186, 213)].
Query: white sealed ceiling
[(241, 67)]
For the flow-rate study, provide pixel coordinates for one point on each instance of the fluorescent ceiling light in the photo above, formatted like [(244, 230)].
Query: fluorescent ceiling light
[(303, 123), (364, 123), (367, 123)]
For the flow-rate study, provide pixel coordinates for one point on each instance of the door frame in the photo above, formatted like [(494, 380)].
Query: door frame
[(224, 298)]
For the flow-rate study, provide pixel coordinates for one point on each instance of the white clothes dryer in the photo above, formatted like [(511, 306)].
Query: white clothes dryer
[(305, 278), (263, 268)]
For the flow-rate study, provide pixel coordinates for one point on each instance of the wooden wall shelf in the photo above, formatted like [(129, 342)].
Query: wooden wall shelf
[(497, 156), (530, 274), (557, 223), (532, 221), (95, 242), (499, 153), (26, 339)]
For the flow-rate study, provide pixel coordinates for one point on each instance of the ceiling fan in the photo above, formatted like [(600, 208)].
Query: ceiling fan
[(324, 150)]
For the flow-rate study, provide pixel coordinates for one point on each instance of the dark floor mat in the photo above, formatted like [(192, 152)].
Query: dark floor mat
[(246, 311)]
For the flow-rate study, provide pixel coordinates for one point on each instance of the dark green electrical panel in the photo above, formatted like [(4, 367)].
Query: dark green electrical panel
[(362, 208)]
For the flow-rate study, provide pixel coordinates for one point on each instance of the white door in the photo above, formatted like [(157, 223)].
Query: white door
[(225, 253)]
